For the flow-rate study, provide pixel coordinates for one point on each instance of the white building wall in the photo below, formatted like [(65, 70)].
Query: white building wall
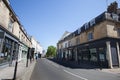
[(36, 45), (39, 48)]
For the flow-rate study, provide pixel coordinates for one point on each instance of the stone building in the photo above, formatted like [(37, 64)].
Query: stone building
[(97, 42), (14, 41)]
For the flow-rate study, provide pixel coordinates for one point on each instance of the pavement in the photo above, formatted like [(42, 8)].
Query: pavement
[(46, 69), (113, 71), (23, 72)]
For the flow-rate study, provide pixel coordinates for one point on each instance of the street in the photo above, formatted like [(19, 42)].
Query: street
[(47, 70)]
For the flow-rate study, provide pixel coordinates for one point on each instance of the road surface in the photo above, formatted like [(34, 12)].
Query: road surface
[(48, 70)]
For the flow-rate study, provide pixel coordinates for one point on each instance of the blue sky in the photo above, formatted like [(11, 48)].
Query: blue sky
[(47, 20)]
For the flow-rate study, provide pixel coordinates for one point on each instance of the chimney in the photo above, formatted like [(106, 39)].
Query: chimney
[(112, 8)]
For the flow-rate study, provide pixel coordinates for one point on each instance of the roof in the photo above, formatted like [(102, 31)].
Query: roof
[(66, 33)]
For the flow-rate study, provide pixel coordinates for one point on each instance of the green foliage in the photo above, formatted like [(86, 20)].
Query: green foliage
[(51, 51)]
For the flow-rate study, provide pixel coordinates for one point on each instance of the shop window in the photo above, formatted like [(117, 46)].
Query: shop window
[(85, 53), (101, 54), (90, 36), (85, 56), (93, 55), (6, 40), (79, 54), (10, 25), (10, 42), (1, 40), (5, 54)]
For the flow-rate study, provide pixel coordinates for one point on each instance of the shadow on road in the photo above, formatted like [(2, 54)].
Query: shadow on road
[(74, 65)]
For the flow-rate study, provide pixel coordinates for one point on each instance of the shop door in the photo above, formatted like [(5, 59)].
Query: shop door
[(114, 56)]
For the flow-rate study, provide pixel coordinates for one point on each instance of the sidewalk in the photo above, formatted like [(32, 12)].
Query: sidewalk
[(113, 71), (8, 72)]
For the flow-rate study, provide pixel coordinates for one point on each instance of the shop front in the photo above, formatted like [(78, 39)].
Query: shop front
[(102, 53), (8, 48), (93, 53), (23, 50)]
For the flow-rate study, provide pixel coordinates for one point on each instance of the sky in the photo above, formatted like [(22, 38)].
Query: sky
[(47, 20)]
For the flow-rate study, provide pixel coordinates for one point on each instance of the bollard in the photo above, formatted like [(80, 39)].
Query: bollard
[(15, 71), (27, 63)]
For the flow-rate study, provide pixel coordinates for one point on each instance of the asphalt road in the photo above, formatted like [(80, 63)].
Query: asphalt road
[(48, 70)]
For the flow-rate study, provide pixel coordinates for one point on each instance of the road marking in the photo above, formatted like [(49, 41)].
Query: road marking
[(75, 75)]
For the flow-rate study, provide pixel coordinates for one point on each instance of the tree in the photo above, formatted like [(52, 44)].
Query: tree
[(51, 51)]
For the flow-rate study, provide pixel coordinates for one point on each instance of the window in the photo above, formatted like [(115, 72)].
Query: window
[(118, 31), (90, 36), (119, 17), (79, 30), (69, 43), (102, 54), (92, 22), (86, 26), (19, 35), (93, 54), (65, 45), (77, 40), (10, 25)]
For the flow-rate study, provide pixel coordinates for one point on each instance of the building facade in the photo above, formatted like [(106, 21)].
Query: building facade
[(37, 48), (14, 41), (97, 42)]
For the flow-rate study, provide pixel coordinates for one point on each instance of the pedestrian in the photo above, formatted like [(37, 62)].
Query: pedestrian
[(36, 56)]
